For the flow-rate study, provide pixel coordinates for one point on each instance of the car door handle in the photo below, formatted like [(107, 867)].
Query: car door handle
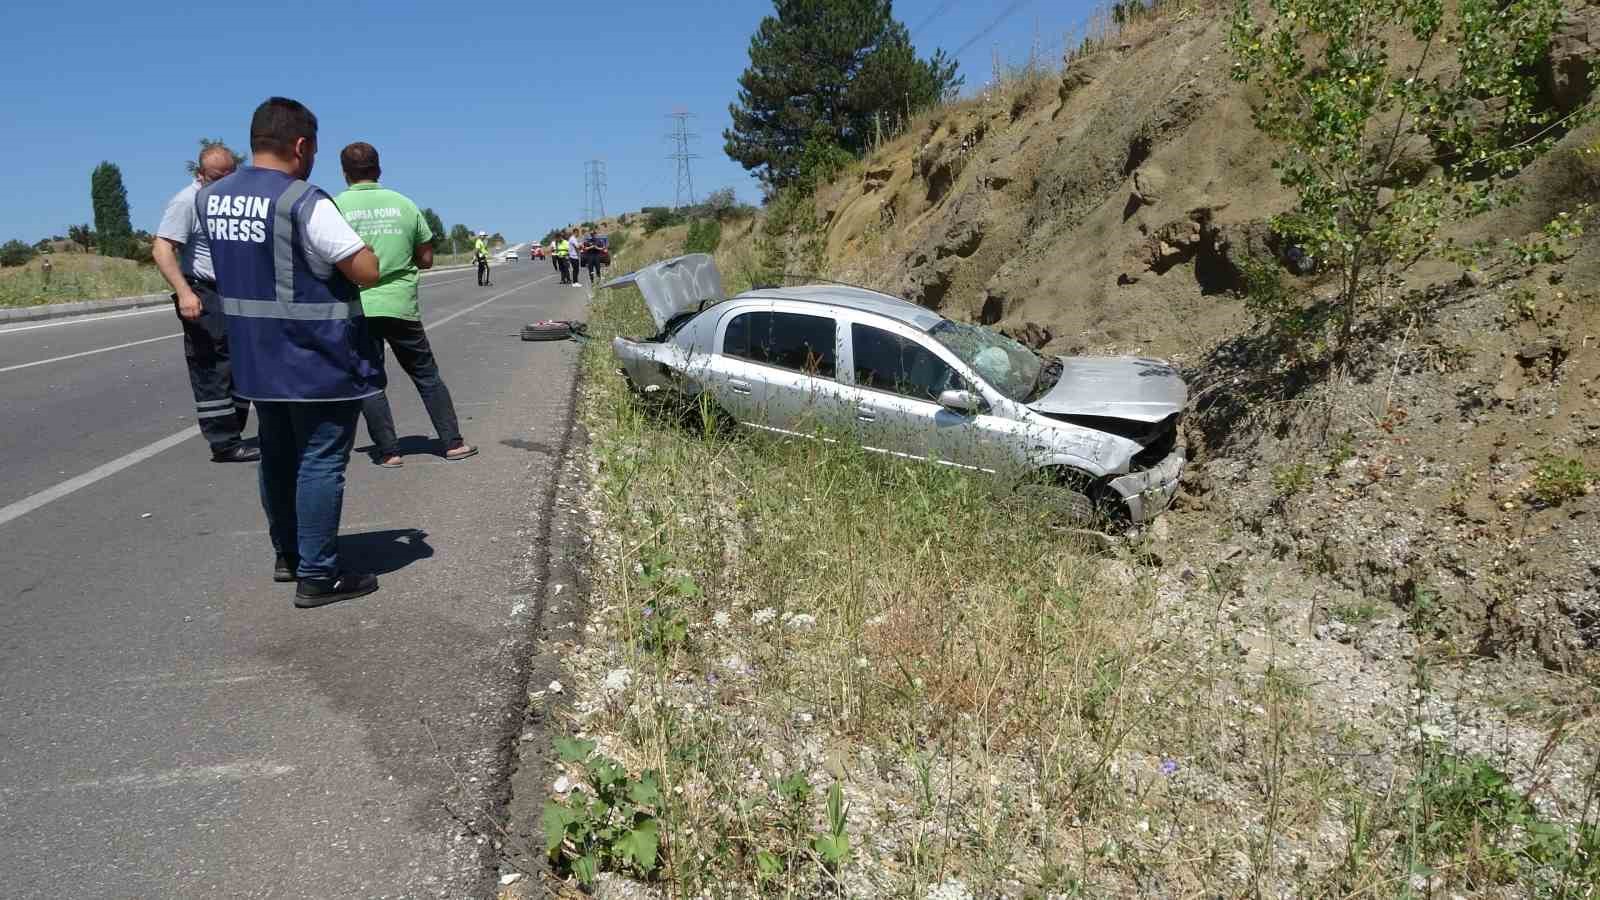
[(739, 387)]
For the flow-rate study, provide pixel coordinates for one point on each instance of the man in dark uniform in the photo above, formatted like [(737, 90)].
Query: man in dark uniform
[(288, 268), (183, 255)]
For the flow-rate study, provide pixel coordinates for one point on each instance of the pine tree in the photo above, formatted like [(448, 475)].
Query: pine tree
[(821, 71), (113, 231)]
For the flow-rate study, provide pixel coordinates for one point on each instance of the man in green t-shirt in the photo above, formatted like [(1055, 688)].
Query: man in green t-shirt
[(393, 227)]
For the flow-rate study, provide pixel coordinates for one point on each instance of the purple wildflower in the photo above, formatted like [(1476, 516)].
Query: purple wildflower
[(1169, 767)]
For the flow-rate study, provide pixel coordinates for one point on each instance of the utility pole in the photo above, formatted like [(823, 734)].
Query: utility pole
[(680, 136), (594, 189)]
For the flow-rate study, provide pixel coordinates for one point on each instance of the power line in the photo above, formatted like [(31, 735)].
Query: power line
[(681, 135), (941, 9), (1005, 14)]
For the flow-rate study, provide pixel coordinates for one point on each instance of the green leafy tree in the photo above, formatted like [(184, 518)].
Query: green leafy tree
[(15, 253), (193, 167), (721, 203), (704, 236), (436, 225), (460, 238), (823, 70), (1386, 138), (81, 234), (110, 198)]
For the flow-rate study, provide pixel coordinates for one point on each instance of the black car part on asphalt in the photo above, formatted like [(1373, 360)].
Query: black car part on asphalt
[(558, 330)]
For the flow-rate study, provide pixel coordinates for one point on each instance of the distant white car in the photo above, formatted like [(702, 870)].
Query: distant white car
[(511, 256)]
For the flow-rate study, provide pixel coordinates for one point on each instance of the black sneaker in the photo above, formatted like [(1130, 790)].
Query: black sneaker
[(322, 591), (283, 568), (239, 453)]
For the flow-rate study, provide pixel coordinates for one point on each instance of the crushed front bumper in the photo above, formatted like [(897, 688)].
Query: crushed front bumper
[(1148, 493)]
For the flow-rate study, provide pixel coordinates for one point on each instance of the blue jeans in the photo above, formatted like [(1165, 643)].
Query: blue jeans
[(305, 448)]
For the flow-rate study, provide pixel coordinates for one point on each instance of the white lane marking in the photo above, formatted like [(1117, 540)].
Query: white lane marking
[(51, 494), (86, 319), (462, 312), (229, 772), (40, 362), (91, 318)]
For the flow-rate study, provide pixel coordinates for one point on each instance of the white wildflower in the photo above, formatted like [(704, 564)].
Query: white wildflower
[(802, 622), (721, 619), (763, 616), (616, 681), (951, 889)]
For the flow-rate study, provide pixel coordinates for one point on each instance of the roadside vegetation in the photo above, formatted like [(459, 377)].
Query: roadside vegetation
[(76, 276), (810, 671)]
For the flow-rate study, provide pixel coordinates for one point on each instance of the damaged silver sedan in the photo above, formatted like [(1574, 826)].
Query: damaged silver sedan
[(1099, 433)]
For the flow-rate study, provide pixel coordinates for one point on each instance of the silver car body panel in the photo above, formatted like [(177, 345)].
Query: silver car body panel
[(1115, 387), (1004, 437), (674, 286)]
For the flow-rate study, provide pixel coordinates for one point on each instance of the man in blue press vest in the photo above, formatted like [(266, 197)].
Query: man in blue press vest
[(288, 268)]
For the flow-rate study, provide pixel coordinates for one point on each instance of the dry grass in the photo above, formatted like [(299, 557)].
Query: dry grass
[(77, 276), (1007, 715)]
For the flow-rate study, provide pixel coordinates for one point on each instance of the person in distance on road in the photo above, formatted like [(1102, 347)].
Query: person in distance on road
[(575, 254), (591, 255), (480, 256), (394, 228), (183, 255), (288, 268), (562, 262)]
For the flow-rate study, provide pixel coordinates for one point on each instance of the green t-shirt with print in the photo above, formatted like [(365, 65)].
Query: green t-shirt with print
[(392, 226)]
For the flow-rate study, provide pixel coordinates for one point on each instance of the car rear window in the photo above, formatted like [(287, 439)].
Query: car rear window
[(789, 340)]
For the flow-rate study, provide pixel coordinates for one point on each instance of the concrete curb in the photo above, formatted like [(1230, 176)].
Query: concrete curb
[(80, 308), (116, 304)]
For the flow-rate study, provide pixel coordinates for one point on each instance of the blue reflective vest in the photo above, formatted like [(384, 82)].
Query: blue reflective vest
[(295, 327)]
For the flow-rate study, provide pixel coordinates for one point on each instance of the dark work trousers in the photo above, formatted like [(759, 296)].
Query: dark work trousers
[(566, 269), (591, 261), (410, 345), (205, 347)]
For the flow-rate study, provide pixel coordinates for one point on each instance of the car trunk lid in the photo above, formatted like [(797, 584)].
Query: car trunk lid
[(675, 286)]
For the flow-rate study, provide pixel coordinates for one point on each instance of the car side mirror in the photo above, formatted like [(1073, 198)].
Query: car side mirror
[(965, 402)]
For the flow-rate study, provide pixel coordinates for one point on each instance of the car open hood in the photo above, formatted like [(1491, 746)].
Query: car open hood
[(1118, 387), (675, 286)]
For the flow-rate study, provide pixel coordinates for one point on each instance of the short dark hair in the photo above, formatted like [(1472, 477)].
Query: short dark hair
[(360, 162), (278, 123)]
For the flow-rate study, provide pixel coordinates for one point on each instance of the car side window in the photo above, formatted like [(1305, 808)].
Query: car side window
[(789, 340), (886, 361)]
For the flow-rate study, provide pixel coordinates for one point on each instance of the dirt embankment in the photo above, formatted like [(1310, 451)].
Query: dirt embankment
[(1107, 208)]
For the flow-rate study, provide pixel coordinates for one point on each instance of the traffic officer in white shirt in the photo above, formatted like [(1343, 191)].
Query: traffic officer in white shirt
[(183, 255)]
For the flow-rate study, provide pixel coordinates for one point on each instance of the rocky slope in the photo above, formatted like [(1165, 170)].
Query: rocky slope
[(1107, 208)]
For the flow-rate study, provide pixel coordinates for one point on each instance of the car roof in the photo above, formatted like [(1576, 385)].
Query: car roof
[(852, 298)]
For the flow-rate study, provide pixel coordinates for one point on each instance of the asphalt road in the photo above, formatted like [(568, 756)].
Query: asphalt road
[(170, 725)]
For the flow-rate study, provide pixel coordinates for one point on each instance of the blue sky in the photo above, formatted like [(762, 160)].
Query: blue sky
[(486, 113)]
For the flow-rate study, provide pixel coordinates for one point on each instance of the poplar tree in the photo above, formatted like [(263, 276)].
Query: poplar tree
[(113, 230)]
